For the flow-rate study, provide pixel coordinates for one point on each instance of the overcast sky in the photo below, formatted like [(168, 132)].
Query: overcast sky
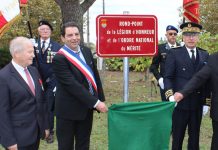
[(166, 12)]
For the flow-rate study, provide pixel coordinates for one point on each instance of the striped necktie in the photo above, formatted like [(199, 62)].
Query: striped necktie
[(43, 47), (29, 80)]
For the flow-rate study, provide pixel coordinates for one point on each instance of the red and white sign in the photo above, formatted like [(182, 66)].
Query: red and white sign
[(126, 35)]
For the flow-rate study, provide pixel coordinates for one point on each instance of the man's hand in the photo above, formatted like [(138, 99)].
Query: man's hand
[(13, 147), (205, 110), (171, 99), (101, 107), (47, 133), (178, 96), (161, 83)]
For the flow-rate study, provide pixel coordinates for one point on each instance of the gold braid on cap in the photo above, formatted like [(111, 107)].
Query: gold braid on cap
[(189, 28), (168, 93)]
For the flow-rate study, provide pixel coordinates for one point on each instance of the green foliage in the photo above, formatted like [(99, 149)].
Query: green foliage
[(138, 64), (114, 64), (209, 42), (5, 56)]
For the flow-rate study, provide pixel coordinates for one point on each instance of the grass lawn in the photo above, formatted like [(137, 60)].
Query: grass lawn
[(140, 90)]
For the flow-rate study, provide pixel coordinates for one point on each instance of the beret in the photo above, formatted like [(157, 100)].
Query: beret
[(44, 22)]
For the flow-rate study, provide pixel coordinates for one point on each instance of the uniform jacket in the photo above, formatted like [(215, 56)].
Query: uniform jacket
[(179, 69), (209, 73), (73, 99), (22, 114), (45, 69), (158, 61)]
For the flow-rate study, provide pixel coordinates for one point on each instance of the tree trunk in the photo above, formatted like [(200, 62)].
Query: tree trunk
[(73, 10)]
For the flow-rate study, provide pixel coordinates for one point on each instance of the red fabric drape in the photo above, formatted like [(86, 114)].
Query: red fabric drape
[(23, 3), (191, 10)]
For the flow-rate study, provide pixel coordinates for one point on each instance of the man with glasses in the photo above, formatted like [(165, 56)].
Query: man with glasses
[(45, 49), (181, 65), (158, 61)]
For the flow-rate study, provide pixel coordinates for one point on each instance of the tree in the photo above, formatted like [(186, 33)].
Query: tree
[(209, 15), (73, 10)]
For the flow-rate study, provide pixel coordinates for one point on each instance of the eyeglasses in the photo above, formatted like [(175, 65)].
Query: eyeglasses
[(171, 34), (190, 34), (44, 29)]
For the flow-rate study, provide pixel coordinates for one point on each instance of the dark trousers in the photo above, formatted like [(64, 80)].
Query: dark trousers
[(181, 120), (162, 94), (214, 143), (69, 131), (49, 95), (34, 146)]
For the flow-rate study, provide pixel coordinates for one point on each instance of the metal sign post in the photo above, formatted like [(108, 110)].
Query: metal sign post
[(125, 75)]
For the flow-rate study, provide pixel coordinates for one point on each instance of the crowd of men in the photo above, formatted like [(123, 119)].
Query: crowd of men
[(45, 79)]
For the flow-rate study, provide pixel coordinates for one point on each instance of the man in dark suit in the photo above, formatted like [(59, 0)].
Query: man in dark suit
[(79, 91), (181, 64), (207, 74), (45, 50), (158, 61), (23, 111)]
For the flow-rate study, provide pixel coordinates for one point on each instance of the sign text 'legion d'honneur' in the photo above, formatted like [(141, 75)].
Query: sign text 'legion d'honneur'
[(126, 35)]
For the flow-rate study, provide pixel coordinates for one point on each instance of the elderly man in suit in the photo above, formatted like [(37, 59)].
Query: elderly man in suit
[(45, 50), (181, 65), (158, 61), (207, 74), (79, 91), (23, 111)]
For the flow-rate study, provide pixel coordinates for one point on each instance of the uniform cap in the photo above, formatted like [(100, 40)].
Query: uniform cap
[(44, 22), (170, 27), (190, 27)]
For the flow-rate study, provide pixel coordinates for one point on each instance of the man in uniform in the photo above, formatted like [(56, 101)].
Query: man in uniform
[(208, 74), (44, 52), (181, 65), (158, 61)]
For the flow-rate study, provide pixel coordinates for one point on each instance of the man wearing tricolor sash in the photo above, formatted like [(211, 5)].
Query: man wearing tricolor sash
[(79, 91)]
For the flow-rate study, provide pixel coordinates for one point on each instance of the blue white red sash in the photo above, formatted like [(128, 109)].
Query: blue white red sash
[(80, 64)]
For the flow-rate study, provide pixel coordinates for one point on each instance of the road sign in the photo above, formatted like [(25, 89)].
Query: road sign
[(126, 35)]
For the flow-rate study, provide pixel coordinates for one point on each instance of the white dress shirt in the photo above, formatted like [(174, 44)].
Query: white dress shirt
[(20, 70)]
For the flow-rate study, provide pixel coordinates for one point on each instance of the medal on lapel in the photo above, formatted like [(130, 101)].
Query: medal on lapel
[(40, 82)]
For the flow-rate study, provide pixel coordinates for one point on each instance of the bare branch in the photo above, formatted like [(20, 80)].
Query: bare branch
[(86, 4)]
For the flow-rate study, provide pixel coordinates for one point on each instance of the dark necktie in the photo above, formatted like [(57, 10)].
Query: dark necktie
[(193, 56), (90, 84), (30, 82), (43, 47), (172, 46)]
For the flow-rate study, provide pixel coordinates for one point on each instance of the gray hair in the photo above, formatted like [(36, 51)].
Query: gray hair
[(17, 44)]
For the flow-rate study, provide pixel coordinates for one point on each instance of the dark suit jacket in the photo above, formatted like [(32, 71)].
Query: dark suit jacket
[(209, 73), (179, 69), (45, 69), (73, 99), (22, 114), (158, 61)]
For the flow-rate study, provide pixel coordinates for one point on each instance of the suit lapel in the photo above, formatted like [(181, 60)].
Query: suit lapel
[(87, 57), (200, 58), (187, 57), (20, 79)]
